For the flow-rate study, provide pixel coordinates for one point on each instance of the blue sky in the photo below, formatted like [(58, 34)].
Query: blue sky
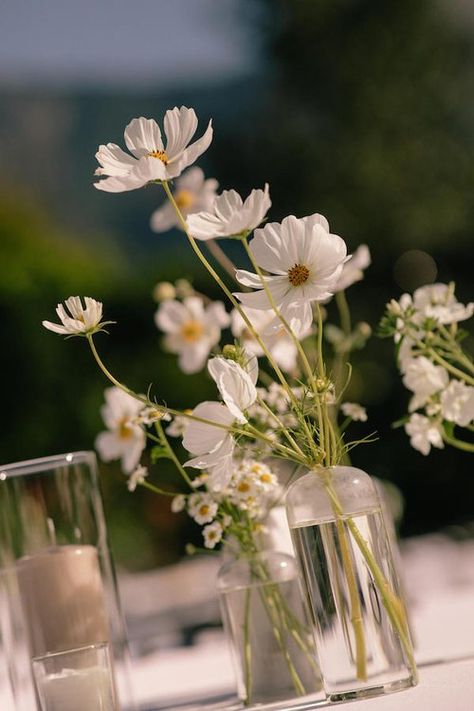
[(124, 42)]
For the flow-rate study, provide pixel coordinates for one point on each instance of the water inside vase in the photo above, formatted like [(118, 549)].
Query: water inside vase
[(318, 548), (272, 641)]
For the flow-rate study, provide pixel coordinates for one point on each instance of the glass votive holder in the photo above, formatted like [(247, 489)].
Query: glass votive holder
[(75, 680)]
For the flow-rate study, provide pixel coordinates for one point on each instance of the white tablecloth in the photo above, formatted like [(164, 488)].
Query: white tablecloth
[(440, 584)]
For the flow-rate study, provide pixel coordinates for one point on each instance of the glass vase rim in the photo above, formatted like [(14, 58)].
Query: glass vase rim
[(44, 464)]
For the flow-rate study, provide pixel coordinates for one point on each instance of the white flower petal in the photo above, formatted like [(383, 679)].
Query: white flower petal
[(143, 136), (201, 438)]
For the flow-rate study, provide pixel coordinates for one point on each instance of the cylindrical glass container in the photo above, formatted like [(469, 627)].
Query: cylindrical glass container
[(57, 585), (352, 585), (267, 624)]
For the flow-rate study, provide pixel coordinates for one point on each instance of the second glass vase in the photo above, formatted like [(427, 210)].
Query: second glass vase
[(267, 623)]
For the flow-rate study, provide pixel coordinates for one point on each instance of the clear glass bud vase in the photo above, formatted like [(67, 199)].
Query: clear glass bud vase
[(352, 586), (267, 623)]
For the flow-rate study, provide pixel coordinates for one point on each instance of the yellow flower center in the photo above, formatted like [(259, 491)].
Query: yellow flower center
[(124, 429), (243, 487), (298, 274), (184, 199), (192, 331), (161, 155), (266, 479), (204, 510)]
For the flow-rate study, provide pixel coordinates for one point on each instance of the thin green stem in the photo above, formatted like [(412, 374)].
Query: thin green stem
[(171, 453), (450, 368), (247, 648), (284, 430), (458, 443), (221, 257)]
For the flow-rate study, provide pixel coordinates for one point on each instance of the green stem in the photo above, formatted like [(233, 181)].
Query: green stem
[(221, 257), (458, 443), (247, 648), (451, 368), (171, 453)]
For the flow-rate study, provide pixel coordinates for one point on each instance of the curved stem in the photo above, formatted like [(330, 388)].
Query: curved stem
[(221, 257), (458, 443), (451, 368)]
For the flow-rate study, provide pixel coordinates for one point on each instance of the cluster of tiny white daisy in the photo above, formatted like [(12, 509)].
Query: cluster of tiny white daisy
[(251, 491), (433, 365)]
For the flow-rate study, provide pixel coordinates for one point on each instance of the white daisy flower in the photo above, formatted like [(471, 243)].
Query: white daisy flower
[(213, 446), (78, 319), (304, 261), (191, 329), (150, 160), (137, 477), (193, 193), (457, 403), (438, 301), (355, 411), (178, 503), (424, 433), (230, 215), (212, 534), (424, 379), (203, 510), (125, 439), (353, 269), (272, 332)]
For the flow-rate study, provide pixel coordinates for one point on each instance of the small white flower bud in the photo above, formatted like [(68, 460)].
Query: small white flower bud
[(164, 291)]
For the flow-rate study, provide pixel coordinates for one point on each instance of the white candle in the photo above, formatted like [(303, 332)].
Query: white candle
[(62, 598), (87, 689)]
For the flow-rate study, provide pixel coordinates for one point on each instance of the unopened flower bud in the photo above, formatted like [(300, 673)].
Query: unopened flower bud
[(364, 329), (184, 288), (190, 549), (164, 291)]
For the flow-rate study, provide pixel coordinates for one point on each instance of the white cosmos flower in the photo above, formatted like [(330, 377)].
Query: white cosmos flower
[(353, 269), (193, 193), (355, 411), (236, 386), (125, 439), (212, 534), (230, 215), (424, 379), (213, 446), (423, 433), (137, 477), (78, 319), (191, 329), (150, 160), (438, 301), (304, 261), (272, 332), (457, 403)]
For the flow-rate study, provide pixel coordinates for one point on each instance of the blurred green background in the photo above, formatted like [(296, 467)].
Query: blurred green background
[(357, 109)]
